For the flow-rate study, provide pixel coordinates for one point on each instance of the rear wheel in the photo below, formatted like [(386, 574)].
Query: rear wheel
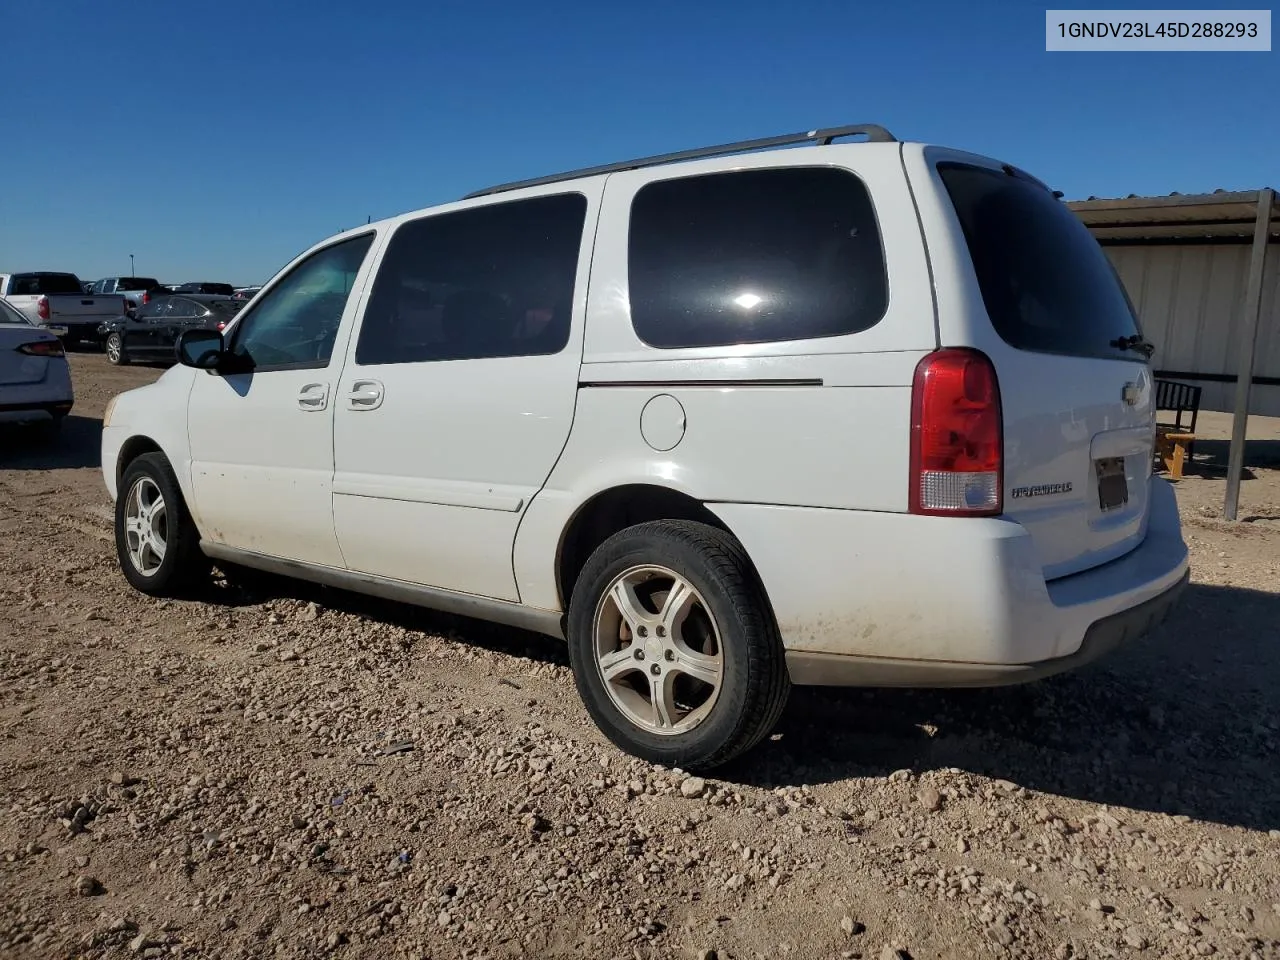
[(115, 350), (674, 648), (156, 540)]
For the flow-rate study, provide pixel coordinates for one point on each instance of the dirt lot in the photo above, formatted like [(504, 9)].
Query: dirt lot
[(313, 774)]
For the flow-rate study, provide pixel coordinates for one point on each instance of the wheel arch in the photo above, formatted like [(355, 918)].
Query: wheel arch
[(131, 450), (621, 506)]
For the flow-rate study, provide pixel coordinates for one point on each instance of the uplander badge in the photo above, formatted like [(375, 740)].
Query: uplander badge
[(1041, 490)]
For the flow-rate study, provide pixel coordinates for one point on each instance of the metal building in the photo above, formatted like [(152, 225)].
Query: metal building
[(1203, 272)]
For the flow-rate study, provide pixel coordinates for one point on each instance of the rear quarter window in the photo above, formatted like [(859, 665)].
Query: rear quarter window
[(1046, 283), (754, 256)]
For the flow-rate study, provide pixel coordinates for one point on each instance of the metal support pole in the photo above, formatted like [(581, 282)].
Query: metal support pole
[(1248, 343)]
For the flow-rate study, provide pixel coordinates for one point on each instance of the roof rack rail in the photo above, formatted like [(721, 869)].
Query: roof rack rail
[(872, 131)]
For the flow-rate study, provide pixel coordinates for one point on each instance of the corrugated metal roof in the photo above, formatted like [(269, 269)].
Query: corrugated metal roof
[(1222, 213)]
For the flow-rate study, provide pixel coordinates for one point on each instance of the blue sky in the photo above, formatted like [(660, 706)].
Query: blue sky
[(216, 140)]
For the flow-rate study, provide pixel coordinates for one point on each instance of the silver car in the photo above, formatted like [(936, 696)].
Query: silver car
[(35, 379)]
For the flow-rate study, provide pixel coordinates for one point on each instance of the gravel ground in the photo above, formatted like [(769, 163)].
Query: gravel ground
[(305, 773)]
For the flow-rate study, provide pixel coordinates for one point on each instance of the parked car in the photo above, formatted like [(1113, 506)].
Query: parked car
[(35, 380), (152, 332), (851, 413), (56, 302), (217, 289), (135, 290), (245, 293)]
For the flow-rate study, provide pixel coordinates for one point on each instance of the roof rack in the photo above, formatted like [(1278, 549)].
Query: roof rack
[(872, 131)]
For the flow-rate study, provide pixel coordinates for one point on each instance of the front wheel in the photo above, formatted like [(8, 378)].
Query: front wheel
[(115, 350), (156, 540), (674, 647)]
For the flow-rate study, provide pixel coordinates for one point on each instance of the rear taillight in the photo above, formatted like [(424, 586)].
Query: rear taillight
[(222, 324), (146, 298), (957, 448), (42, 348), (42, 308)]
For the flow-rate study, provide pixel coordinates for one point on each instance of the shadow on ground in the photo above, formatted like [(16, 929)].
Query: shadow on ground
[(1182, 722), (77, 445), (1212, 455), (489, 636), (1209, 458)]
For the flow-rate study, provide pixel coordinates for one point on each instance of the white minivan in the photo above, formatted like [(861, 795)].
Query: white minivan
[(784, 411)]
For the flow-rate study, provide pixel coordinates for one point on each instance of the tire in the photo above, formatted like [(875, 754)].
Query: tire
[(726, 618), (179, 567), (115, 350)]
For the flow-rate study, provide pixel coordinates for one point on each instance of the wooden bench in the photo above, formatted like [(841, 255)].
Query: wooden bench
[(1175, 440), (1171, 447)]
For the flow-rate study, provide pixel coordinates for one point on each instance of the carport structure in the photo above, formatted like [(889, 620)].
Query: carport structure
[(1172, 241)]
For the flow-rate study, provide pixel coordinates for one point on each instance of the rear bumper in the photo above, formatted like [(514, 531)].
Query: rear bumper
[(33, 411), (81, 329), (867, 599), (1102, 637)]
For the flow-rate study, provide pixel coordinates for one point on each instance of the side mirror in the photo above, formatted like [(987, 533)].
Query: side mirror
[(202, 349)]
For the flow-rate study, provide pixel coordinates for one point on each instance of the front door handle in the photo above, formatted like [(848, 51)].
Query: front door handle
[(365, 395), (314, 396)]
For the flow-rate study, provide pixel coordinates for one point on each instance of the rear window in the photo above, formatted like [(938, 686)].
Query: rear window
[(135, 283), (218, 289), (754, 256), (43, 284), (1046, 283)]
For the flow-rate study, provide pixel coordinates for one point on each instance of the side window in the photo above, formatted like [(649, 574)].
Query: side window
[(297, 321), (160, 310), (184, 309), (754, 256), (492, 281), (148, 311)]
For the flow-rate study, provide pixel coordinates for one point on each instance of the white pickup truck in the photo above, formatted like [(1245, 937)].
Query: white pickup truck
[(57, 302)]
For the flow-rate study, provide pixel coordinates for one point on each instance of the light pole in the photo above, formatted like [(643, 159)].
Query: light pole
[(131, 273)]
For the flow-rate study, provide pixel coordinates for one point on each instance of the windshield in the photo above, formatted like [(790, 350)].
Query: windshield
[(1046, 283)]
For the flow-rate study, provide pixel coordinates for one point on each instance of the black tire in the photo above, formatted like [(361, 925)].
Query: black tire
[(183, 568), (754, 684), (115, 350)]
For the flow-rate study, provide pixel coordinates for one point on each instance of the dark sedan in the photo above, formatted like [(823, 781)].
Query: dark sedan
[(219, 289), (152, 333)]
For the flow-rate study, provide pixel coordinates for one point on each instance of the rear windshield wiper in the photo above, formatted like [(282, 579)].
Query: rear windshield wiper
[(1135, 343)]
